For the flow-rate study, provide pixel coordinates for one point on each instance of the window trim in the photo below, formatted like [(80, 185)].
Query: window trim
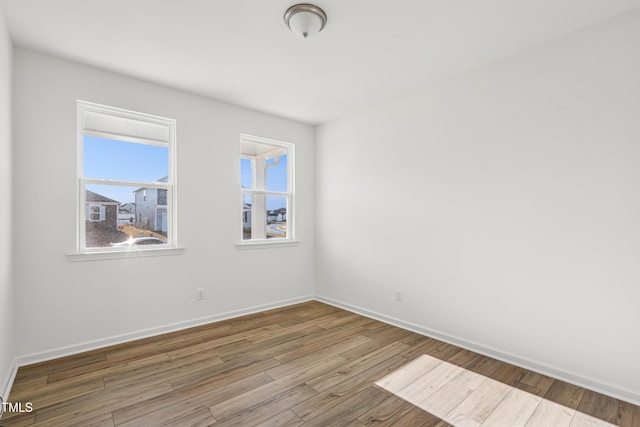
[(81, 250), (290, 240)]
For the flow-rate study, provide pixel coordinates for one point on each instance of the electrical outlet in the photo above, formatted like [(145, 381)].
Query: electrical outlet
[(200, 294), (398, 294)]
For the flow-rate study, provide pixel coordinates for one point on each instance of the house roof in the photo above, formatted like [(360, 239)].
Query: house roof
[(163, 179), (98, 198), (278, 211)]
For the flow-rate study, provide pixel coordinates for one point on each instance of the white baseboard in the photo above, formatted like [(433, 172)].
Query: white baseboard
[(563, 375), (132, 336)]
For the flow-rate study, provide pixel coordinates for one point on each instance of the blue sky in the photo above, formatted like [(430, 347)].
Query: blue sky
[(120, 160)]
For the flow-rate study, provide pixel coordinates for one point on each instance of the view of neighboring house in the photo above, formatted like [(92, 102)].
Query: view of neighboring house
[(246, 216), (127, 213), (151, 208), (101, 215), (101, 210), (278, 215), (129, 207)]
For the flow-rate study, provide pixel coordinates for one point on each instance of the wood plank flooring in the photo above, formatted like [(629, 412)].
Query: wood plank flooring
[(310, 364)]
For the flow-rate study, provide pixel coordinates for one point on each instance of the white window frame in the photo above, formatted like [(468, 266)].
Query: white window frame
[(84, 253), (290, 239)]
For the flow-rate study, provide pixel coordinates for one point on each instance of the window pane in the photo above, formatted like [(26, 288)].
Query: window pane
[(246, 174), (276, 176), (276, 217), (247, 202), (124, 161), (117, 216)]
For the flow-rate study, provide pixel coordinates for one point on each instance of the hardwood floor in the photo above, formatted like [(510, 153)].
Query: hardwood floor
[(309, 364)]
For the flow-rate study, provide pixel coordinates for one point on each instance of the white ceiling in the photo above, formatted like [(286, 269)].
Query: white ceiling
[(240, 51)]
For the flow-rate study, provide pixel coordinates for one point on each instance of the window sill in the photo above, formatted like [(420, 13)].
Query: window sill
[(123, 254), (265, 244)]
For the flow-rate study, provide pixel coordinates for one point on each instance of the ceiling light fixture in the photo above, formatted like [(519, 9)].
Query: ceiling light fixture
[(305, 20)]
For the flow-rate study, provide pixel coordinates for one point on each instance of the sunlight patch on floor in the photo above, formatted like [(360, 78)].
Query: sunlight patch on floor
[(467, 399)]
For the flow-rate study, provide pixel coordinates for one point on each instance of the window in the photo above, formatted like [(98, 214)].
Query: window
[(96, 213), (266, 186), (126, 169)]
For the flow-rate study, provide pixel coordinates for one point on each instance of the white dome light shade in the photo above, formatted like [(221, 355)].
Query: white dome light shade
[(305, 20), (304, 24)]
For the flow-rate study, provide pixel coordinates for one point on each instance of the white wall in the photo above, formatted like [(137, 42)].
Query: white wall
[(7, 335), (68, 304), (505, 203)]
